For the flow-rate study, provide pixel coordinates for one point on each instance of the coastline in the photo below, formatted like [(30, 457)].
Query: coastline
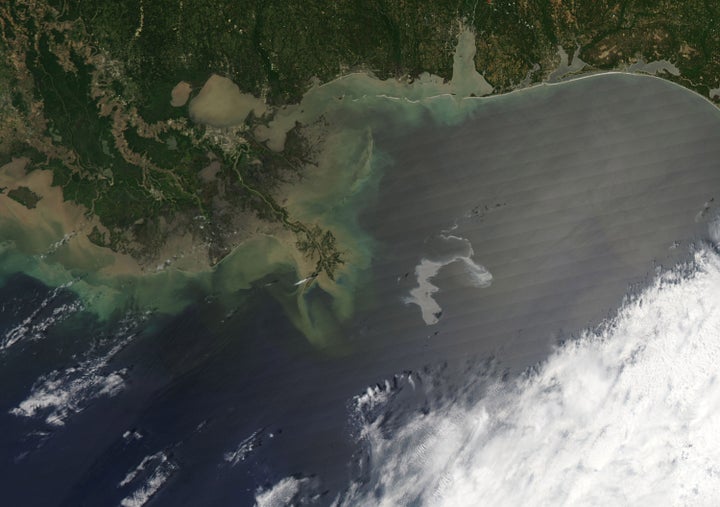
[(342, 182)]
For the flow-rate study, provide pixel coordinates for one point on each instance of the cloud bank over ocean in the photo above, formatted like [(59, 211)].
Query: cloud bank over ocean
[(626, 414), (623, 416)]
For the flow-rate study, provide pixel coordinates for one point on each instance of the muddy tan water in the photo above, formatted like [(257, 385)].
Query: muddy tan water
[(568, 197)]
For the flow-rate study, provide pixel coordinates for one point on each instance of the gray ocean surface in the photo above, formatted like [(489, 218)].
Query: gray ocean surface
[(570, 196)]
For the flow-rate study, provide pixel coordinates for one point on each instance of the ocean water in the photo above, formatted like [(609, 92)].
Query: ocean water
[(529, 316), (625, 414)]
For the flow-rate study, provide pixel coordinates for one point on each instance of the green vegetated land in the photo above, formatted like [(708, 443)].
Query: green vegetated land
[(24, 196), (138, 180), (278, 45)]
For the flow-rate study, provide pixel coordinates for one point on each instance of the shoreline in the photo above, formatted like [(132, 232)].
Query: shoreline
[(560, 81), (318, 205)]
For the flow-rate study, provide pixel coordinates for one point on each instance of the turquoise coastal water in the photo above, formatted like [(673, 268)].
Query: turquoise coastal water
[(479, 234), (49, 242)]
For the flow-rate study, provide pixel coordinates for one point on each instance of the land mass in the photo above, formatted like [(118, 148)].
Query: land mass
[(161, 122)]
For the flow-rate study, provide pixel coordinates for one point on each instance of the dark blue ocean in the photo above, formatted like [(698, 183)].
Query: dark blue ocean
[(536, 270), (215, 404)]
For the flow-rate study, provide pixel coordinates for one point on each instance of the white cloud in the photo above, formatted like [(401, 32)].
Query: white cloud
[(629, 415), (279, 495), (62, 393), (152, 473), (40, 320), (244, 449), (626, 416)]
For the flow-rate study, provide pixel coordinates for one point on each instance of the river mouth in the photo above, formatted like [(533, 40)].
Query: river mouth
[(568, 199)]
